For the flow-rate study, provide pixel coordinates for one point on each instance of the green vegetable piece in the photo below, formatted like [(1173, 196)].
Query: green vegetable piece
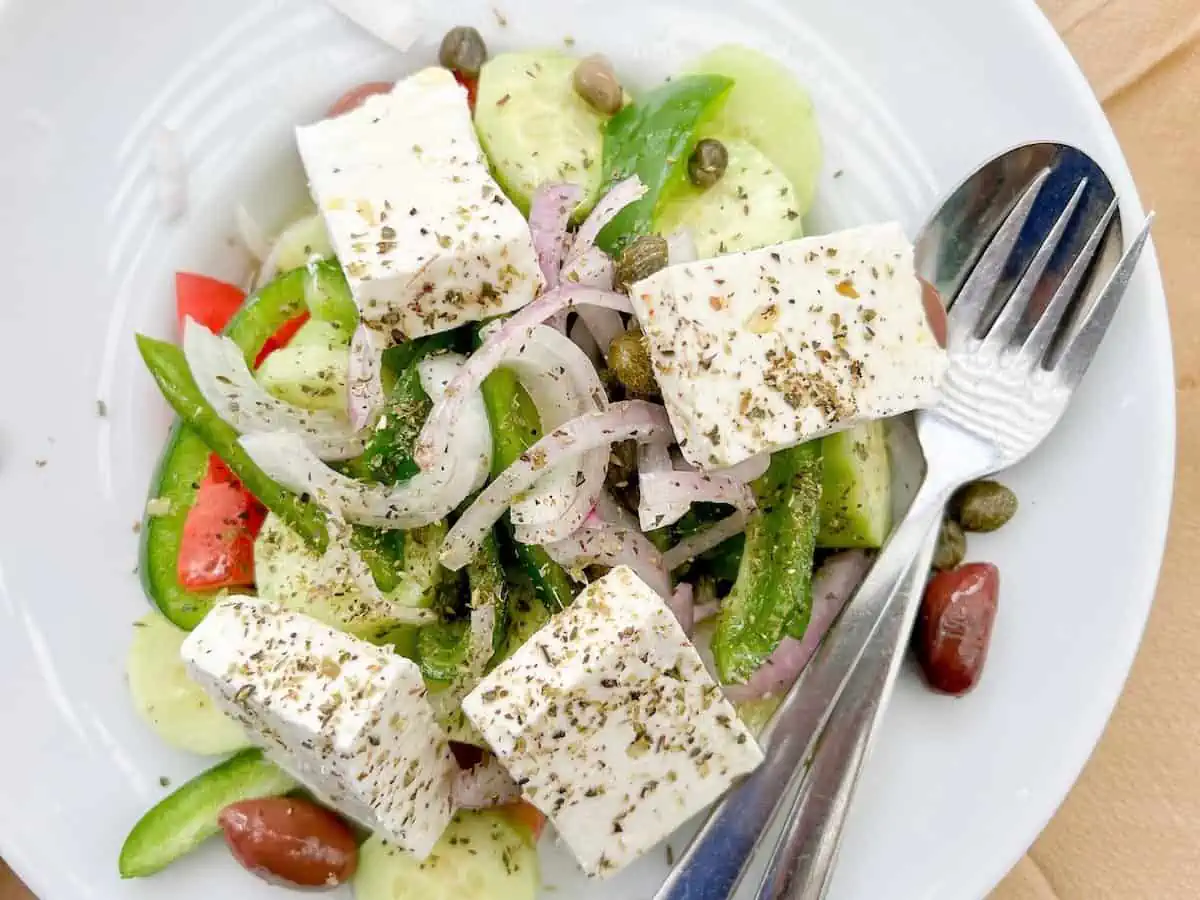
[(182, 821), (951, 547), (302, 243), (515, 427), (984, 506), (856, 488), (167, 364), (652, 139), (312, 370), (771, 597)]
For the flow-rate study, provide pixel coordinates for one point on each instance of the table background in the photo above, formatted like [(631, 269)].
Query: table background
[(1129, 829)]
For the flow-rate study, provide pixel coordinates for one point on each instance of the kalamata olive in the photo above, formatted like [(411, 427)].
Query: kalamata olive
[(463, 51), (707, 163), (640, 259), (984, 506), (955, 626), (629, 358), (357, 96), (951, 546), (596, 82), (291, 840)]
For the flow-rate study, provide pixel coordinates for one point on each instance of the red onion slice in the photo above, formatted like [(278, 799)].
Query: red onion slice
[(696, 487), (340, 556), (251, 234), (833, 584), (682, 603), (601, 543), (228, 385), (499, 344), (484, 785), (549, 213), (654, 461), (619, 196), (364, 384), (746, 471), (429, 496), (628, 420), (702, 541), (583, 339)]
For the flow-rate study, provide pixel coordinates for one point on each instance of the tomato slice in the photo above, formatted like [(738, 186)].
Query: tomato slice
[(217, 549), (280, 338), (210, 302), (472, 86), (525, 815), (357, 96)]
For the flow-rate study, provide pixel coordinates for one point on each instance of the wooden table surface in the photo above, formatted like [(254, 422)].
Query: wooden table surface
[(1130, 829)]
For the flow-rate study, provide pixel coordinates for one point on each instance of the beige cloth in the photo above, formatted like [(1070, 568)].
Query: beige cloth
[(1130, 829)]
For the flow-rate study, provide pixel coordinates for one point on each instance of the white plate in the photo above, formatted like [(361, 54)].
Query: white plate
[(910, 96)]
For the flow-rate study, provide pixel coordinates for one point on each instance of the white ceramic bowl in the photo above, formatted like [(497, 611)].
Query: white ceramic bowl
[(910, 96)]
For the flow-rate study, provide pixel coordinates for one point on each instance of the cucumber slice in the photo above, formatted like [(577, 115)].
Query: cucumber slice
[(311, 371), (166, 697), (481, 856), (535, 128), (856, 488), (768, 108), (752, 206), (180, 822), (287, 572), (301, 242)]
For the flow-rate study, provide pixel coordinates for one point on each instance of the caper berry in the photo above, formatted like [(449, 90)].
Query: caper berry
[(629, 358), (463, 51), (951, 546), (984, 506), (707, 163), (596, 82), (640, 259)]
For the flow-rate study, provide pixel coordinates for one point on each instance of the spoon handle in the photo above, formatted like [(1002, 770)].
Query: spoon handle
[(801, 865)]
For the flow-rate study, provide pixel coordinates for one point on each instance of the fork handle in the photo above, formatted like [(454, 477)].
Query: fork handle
[(802, 863)]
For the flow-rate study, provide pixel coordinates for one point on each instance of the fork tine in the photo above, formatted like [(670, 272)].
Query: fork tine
[(1077, 355), (970, 304), (1016, 306), (1034, 349)]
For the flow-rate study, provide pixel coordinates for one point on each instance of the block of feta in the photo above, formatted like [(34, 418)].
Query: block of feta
[(611, 724), (427, 239), (765, 349), (348, 719)]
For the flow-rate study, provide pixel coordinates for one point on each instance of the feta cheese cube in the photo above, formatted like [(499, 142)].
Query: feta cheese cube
[(765, 349), (348, 719), (609, 720), (426, 237)]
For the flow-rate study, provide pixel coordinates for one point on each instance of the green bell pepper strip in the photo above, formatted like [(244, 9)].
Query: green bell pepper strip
[(322, 289), (651, 138), (180, 822), (515, 428), (772, 596), (167, 364)]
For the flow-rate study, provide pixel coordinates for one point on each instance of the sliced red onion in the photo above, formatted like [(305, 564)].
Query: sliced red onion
[(702, 541), (340, 556), (429, 496), (619, 196), (583, 339), (484, 785), (682, 603), (706, 603), (654, 461), (747, 470), (562, 383), (695, 487), (549, 214), (170, 173), (628, 420), (601, 543), (364, 381), (251, 234), (499, 345), (227, 384), (608, 509), (681, 247), (832, 586), (593, 268), (397, 24)]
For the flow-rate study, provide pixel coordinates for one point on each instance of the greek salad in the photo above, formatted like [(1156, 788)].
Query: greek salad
[(525, 480)]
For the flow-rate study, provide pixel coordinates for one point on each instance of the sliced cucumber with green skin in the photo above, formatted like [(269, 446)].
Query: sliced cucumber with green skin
[(752, 206), (182, 821), (312, 370), (166, 697), (481, 856), (301, 242), (768, 108), (535, 128), (856, 488)]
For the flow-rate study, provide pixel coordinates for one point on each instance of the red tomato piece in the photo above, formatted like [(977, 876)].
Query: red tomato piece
[(525, 815), (217, 549), (356, 96), (280, 338), (209, 301), (472, 86)]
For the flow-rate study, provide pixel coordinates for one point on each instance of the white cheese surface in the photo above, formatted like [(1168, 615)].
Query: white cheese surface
[(611, 724), (765, 349), (427, 239), (348, 719)]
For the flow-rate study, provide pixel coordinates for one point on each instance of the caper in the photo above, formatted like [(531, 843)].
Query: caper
[(596, 82), (984, 506), (951, 546), (707, 163), (629, 358), (640, 259), (463, 51)]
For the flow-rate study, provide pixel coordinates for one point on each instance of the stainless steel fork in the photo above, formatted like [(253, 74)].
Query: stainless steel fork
[(1012, 372)]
